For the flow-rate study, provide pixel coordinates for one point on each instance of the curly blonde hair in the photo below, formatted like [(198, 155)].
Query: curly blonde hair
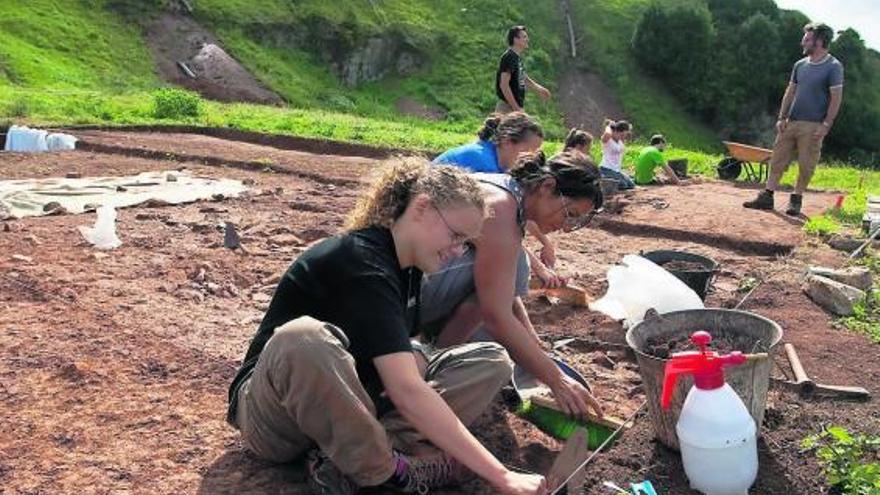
[(401, 179)]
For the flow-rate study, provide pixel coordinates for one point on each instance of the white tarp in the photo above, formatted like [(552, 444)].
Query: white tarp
[(25, 139), (28, 197)]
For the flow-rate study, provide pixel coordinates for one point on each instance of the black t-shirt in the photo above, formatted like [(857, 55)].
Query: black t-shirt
[(512, 63), (355, 282)]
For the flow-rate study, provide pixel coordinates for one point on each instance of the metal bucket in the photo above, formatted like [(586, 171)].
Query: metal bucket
[(747, 332)]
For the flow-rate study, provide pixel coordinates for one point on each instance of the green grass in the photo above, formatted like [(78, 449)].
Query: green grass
[(866, 316), (70, 44), (459, 42)]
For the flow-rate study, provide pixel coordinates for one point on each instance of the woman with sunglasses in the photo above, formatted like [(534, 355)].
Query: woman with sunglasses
[(480, 287), (332, 371)]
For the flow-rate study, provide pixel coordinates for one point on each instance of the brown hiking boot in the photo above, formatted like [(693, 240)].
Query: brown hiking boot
[(764, 201), (795, 202), (325, 478)]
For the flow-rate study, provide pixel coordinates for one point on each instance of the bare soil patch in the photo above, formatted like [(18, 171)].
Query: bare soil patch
[(116, 364)]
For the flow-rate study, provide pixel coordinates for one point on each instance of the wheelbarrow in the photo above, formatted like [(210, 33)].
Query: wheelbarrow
[(755, 161)]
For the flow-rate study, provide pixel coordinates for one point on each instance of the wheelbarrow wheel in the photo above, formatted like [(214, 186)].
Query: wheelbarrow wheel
[(729, 168)]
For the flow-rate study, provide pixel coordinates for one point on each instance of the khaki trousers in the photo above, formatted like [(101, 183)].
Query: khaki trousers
[(305, 391), (796, 138)]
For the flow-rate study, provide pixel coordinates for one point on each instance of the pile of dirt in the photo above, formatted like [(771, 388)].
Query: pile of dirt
[(174, 38), (663, 348)]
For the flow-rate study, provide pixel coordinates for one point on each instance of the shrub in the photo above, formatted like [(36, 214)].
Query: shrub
[(170, 103)]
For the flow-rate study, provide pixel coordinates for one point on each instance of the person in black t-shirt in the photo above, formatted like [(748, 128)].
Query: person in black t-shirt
[(511, 79), (332, 365)]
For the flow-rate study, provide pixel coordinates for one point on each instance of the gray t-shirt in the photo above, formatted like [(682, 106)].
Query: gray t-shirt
[(814, 80)]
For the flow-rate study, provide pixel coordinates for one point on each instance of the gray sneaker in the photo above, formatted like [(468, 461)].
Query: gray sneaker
[(421, 474), (764, 201), (325, 478)]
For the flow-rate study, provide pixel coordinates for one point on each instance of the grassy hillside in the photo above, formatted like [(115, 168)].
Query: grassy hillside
[(460, 42), (71, 45), (96, 46), (606, 28)]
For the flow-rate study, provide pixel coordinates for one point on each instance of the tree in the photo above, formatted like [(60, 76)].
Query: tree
[(675, 44), (857, 128)]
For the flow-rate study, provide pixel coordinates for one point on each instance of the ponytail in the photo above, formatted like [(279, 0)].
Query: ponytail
[(514, 127), (576, 175), (577, 137)]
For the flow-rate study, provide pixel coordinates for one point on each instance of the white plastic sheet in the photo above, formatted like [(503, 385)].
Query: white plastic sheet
[(29, 197), (25, 139), (637, 285)]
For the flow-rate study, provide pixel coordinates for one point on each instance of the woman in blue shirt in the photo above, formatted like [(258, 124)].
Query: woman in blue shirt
[(501, 139)]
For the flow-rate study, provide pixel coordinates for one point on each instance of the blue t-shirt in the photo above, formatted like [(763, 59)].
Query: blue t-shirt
[(479, 156), (814, 83)]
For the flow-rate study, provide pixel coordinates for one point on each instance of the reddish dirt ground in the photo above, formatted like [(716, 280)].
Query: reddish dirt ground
[(115, 364)]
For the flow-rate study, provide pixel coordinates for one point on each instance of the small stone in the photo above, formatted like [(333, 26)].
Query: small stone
[(121, 189), (213, 288), (52, 205), (68, 293), (287, 240), (73, 175), (171, 177), (32, 239), (248, 182), (22, 258), (231, 239), (842, 243)]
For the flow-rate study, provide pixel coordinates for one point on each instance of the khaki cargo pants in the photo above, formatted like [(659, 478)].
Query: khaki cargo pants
[(797, 137), (305, 391), (502, 107)]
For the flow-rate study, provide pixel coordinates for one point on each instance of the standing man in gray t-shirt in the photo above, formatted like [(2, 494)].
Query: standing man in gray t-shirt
[(808, 110)]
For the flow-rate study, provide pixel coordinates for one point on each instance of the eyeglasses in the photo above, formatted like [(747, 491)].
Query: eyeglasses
[(574, 221), (457, 238)]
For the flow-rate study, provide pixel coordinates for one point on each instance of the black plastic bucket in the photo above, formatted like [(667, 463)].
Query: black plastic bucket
[(697, 279), (680, 167)]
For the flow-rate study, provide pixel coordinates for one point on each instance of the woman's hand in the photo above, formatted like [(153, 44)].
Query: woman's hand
[(514, 483), (574, 398), (549, 278)]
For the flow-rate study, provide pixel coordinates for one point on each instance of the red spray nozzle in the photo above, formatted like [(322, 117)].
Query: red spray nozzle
[(706, 366)]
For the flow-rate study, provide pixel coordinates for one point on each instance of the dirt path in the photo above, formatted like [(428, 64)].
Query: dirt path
[(175, 38), (115, 365)]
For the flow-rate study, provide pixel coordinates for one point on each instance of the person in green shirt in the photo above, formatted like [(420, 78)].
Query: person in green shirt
[(649, 159)]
